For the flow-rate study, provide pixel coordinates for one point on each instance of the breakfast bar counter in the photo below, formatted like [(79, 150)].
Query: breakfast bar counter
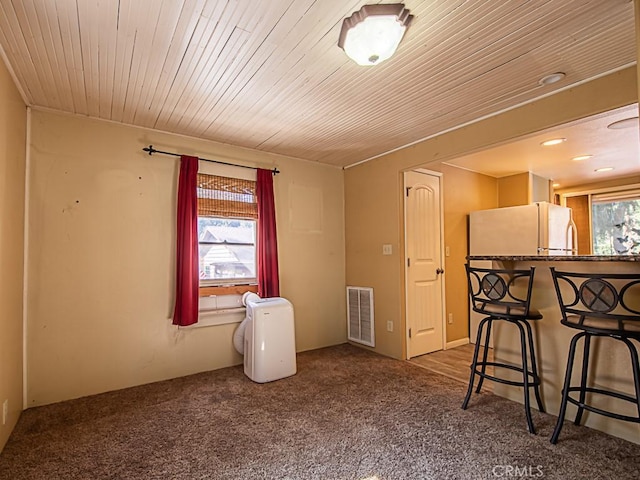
[(612, 369), (557, 258)]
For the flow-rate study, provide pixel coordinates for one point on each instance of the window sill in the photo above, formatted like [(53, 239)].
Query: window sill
[(215, 317), (221, 305), (227, 290)]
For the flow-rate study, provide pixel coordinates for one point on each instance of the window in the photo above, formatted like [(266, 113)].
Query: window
[(227, 213), (615, 219)]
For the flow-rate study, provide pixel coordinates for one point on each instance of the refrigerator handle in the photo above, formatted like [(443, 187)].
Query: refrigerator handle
[(574, 235)]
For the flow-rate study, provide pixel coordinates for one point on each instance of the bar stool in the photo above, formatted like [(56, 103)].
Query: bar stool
[(496, 294), (599, 305)]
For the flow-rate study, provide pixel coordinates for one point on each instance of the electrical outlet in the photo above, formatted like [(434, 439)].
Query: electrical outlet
[(450, 318), (5, 411), (390, 326)]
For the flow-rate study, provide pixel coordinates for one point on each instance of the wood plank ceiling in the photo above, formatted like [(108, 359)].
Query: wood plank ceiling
[(269, 75)]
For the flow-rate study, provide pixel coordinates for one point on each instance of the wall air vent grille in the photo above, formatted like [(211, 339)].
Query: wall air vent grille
[(360, 324)]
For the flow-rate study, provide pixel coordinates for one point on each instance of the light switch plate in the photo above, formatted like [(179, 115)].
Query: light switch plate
[(387, 249)]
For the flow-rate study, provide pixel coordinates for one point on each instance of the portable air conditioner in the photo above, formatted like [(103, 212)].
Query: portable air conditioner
[(269, 339)]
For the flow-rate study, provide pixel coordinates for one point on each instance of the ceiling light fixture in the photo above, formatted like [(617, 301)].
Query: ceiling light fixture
[(553, 78), (553, 141), (603, 169), (372, 34), (625, 123), (556, 185), (579, 158)]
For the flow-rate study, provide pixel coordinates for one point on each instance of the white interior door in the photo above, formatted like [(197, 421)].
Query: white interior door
[(424, 271)]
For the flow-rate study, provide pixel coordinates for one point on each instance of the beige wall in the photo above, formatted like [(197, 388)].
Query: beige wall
[(373, 190), (464, 191), (13, 126), (372, 198), (101, 257), (523, 189), (514, 190)]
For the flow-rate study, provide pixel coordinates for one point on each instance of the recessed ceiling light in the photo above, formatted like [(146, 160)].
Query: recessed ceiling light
[(603, 169), (556, 185), (553, 78), (553, 141), (581, 157), (625, 123)]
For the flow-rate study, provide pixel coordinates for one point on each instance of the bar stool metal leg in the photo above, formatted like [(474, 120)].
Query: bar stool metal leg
[(484, 356), (565, 389), (534, 368), (583, 381), (635, 365), (525, 377), (474, 363)]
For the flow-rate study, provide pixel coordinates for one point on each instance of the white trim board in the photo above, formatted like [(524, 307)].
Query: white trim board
[(456, 343)]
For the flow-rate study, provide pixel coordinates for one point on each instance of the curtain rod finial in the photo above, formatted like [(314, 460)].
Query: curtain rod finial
[(149, 149)]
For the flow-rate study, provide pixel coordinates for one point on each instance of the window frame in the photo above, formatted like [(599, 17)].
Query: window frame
[(609, 199), (232, 282), (216, 287)]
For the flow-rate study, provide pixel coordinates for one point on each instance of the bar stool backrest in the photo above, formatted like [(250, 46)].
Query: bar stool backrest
[(599, 301), (500, 292)]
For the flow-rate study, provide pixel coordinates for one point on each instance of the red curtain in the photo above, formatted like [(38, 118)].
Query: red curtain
[(187, 275), (268, 279)]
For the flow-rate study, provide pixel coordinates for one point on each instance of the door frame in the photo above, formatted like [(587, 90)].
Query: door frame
[(443, 312)]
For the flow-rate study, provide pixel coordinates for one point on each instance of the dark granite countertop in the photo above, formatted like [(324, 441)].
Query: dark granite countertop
[(558, 258)]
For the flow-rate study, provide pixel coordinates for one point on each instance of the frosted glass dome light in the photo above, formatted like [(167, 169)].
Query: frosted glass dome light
[(373, 33)]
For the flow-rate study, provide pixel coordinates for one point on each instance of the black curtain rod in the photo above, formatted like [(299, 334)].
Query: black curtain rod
[(152, 150)]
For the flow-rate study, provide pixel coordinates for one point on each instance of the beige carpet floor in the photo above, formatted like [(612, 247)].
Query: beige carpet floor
[(347, 414)]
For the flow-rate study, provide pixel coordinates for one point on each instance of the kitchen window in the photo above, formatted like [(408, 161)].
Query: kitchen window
[(607, 220), (615, 220), (227, 228)]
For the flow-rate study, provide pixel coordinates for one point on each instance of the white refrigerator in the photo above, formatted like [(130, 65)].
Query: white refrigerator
[(540, 228)]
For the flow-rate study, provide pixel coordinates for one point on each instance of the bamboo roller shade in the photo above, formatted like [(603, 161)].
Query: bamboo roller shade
[(226, 197)]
